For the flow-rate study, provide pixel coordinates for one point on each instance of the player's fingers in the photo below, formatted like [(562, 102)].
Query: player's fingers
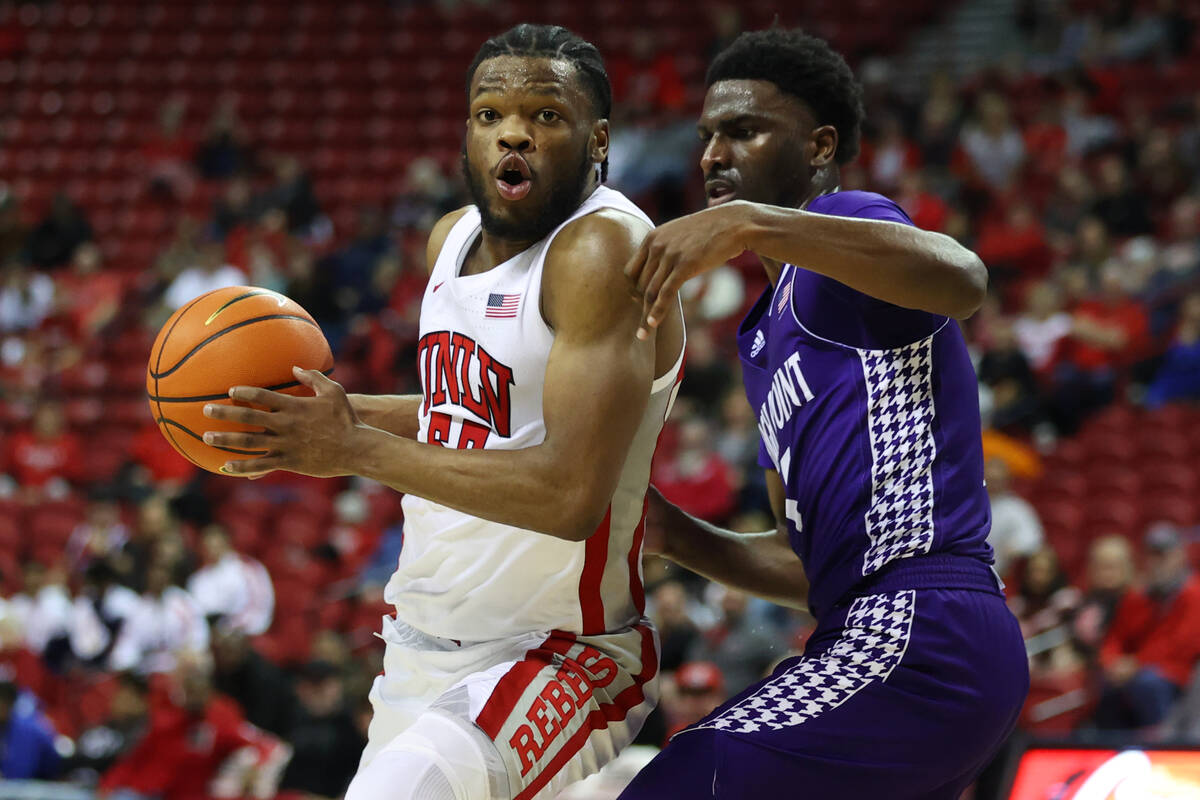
[(320, 383), (662, 303), (252, 467), (633, 268), (242, 414), (273, 401), (662, 272), (240, 441)]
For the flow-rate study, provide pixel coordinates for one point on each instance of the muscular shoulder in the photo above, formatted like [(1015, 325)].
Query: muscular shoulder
[(585, 266), (437, 236)]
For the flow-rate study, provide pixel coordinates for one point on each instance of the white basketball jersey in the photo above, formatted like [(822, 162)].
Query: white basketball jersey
[(482, 360)]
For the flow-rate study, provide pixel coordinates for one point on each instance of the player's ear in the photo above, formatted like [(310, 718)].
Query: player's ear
[(598, 146), (825, 141)]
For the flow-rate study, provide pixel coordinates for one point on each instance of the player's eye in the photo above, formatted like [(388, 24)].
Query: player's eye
[(546, 115), (744, 133), (705, 136), (487, 115)]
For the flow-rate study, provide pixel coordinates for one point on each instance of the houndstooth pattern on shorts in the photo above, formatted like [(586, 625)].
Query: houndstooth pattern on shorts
[(900, 420), (871, 645)]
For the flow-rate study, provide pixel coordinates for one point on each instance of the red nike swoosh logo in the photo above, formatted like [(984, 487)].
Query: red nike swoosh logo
[(435, 288)]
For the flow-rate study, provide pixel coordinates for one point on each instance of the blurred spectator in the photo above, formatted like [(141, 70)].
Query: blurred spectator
[(924, 208), (709, 373), (224, 151), (1118, 204), (695, 478), (941, 116), (1014, 248), (1154, 641), (742, 650), (1004, 370), (326, 743), (209, 273), (97, 748), (46, 457), (55, 238), (26, 297), (1042, 326), (426, 195), (42, 610), (12, 231), (232, 587), (1016, 530), (1179, 376), (156, 527), (292, 192), (356, 264), (676, 632), (262, 690), (890, 155), (89, 294), (26, 737), (99, 536), (1108, 332), (234, 207), (166, 622), (1086, 129), (194, 735), (1067, 204), (1109, 575), (992, 143), (100, 630), (698, 689), (167, 153), (1043, 604)]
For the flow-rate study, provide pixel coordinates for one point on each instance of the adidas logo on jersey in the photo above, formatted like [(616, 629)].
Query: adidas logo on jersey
[(760, 342)]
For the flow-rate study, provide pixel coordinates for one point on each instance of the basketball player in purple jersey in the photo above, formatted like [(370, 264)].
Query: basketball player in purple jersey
[(869, 419)]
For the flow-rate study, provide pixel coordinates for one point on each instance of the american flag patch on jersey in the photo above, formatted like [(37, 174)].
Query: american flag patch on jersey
[(502, 306), (785, 297)]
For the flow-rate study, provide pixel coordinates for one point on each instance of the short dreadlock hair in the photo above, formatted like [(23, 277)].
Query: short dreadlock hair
[(805, 67), (553, 41)]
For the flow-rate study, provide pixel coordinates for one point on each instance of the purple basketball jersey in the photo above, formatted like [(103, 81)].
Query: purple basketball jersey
[(870, 414)]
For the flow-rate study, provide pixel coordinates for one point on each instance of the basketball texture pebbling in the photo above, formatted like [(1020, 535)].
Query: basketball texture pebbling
[(236, 336)]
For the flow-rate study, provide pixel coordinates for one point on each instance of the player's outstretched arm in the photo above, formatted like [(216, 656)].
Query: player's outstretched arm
[(897, 263), (597, 384), (762, 564)]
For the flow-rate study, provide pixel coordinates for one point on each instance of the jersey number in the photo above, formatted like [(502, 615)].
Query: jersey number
[(473, 436)]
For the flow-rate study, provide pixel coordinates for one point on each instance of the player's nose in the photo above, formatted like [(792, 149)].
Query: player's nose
[(514, 135), (716, 154)]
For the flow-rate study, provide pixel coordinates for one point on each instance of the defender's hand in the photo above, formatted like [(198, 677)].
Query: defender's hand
[(681, 249), (308, 435), (658, 520)]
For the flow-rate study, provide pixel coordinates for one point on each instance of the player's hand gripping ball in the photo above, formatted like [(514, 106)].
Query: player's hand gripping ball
[(237, 336)]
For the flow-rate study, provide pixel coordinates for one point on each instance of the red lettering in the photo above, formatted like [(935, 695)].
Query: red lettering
[(557, 698), (441, 342), (473, 436), (527, 747), (424, 352), (439, 429), (466, 347), (546, 725), (497, 378), (603, 669), (446, 378), (571, 674)]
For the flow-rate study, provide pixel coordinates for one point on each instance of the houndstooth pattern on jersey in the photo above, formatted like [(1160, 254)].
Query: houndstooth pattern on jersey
[(871, 645), (900, 421)]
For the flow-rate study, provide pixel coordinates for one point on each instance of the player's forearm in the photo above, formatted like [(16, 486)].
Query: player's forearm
[(758, 563), (530, 488), (394, 413), (896, 263)]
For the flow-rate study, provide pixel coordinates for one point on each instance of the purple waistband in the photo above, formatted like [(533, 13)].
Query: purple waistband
[(939, 571)]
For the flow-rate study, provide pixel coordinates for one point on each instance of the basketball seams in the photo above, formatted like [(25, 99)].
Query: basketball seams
[(157, 375), (158, 363), (200, 438), (207, 397)]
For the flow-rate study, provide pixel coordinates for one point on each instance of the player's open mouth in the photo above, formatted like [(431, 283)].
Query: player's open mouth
[(719, 190), (513, 178)]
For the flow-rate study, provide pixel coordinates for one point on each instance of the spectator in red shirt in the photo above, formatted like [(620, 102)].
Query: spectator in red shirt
[(697, 479), (167, 154), (1108, 332), (45, 459), (699, 687), (194, 738), (1014, 248), (924, 208), (1154, 641)]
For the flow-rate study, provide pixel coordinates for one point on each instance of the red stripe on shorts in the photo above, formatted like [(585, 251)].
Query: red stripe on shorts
[(598, 720), (595, 556), (636, 589), (508, 691)]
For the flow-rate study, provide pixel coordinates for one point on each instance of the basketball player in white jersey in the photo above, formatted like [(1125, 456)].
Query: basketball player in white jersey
[(519, 659)]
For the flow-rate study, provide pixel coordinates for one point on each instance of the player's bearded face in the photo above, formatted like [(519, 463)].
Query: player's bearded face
[(527, 153)]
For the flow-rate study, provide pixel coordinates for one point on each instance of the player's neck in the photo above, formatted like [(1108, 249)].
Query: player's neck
[(490, 250), (824, 181)]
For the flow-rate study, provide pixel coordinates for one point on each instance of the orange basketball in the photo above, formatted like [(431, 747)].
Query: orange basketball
[(237, 336)]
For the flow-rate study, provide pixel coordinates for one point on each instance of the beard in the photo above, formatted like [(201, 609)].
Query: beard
[(564, 198)]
